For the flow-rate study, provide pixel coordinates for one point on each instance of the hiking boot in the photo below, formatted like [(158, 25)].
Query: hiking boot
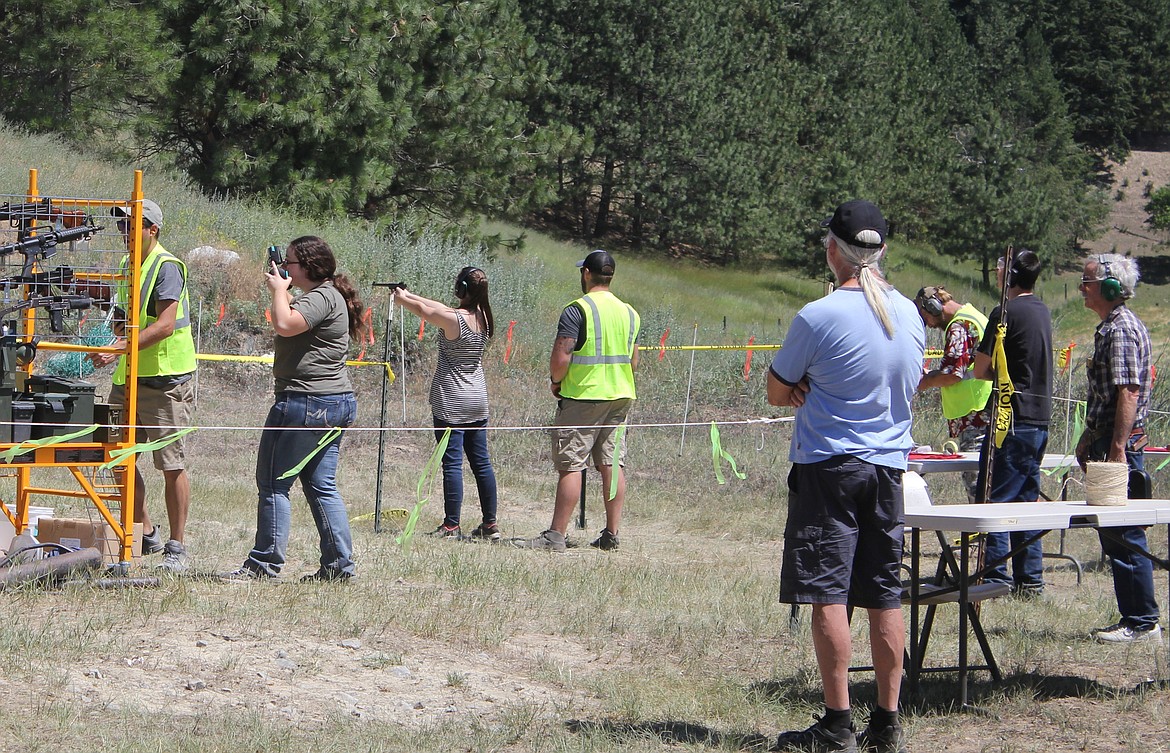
[(446, 532), (175, 559), (886, 740), (818, 739), (151, 542), (606, 542), (486, 532), (1126, 634), (550, 541)]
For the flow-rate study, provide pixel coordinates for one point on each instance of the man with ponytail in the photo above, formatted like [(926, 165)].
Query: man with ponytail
[(850, 365)]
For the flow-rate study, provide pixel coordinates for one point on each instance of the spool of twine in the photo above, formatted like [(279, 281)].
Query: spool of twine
[(1106, 484)]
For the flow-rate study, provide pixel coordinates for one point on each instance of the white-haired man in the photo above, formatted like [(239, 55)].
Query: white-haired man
[(1115, 419)]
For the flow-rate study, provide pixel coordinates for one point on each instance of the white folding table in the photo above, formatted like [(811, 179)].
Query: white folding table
[(973, 519)]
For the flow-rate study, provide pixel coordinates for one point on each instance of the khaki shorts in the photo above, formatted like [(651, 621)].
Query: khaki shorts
[(160, 414), (572, 448)]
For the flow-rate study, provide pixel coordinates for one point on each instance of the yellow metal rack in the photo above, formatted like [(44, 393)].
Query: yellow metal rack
[(94, 263)]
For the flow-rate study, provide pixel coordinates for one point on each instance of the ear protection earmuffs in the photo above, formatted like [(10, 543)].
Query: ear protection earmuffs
[(928, 300), (461, 281), (1110, 285)]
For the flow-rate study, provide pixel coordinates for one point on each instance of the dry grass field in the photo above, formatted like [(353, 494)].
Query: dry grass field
[(673, 642)]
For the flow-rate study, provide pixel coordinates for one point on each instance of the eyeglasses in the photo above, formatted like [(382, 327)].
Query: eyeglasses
[(287, 262), (1089, 280), (124, 225)]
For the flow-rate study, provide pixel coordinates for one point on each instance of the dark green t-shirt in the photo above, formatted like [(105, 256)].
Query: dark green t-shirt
[(314, 361)]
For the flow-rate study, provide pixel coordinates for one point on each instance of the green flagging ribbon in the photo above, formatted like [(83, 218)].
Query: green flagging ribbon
[(322, 443), (717, 452), (1162, 465), (117, 455), (32, 444), (615, 463), (432, 467), (1079, 408)]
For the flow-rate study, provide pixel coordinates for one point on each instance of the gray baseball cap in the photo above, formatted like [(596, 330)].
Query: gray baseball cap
[(151, 212)]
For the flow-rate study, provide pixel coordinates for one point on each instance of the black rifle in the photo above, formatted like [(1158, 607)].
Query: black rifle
[(18, 214), (56, 305), (44, 244)]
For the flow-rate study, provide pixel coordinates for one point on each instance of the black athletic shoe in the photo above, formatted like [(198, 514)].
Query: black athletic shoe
[(606, 542), (486, 532), (818, 739), (886, 740)]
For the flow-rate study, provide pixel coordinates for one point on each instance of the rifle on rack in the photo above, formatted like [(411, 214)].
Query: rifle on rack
[(44, 244), (56, 305), (19, 214)]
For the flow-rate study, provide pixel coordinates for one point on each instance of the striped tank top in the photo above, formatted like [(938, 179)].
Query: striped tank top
[(459, 389)]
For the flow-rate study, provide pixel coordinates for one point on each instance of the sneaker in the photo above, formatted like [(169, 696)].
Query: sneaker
[(887, 740), (444, 532), (818, 739), (1028, 591), (244, 574), (606, 542), (151, 542), (327, 576), (175, 558), (550, 541), (486, 531), (1125, 634)]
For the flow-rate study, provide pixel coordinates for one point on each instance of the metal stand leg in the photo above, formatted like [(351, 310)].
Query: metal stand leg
[(581, 515)]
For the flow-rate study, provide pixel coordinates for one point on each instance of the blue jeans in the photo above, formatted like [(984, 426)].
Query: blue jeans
[(1133, 574), (472, 439), (279, 452), (1015, 477)]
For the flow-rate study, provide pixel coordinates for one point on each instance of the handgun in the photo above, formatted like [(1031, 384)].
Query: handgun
[(276, 256)]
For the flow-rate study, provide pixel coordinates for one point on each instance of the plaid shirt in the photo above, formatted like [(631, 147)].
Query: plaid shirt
[(1121, 355), (958, 355)]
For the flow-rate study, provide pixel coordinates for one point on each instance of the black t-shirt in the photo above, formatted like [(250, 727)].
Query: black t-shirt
[(1028, 348)]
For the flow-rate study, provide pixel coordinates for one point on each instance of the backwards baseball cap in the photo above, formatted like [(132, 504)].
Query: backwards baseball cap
[(858, 223), (151, 212), (599, 263)]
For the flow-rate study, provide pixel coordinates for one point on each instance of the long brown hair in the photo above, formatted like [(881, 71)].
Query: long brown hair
[(471, 288), (320, 265)]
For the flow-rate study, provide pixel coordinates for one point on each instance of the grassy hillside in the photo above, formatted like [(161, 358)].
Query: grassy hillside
[(675, 642)]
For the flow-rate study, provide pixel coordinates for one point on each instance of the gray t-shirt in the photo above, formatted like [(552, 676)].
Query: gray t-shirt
[(314, 361)]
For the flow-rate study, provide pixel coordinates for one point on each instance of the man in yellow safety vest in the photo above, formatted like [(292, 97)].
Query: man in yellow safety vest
[(166, 364), (591, 371)]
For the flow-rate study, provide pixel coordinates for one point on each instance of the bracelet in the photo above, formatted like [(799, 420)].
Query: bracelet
[(555, 383)]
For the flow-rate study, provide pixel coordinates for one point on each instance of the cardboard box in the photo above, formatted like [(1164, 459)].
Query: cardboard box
[(78, 533)]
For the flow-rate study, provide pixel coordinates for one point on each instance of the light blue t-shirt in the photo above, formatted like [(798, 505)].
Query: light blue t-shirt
[(861, 381)]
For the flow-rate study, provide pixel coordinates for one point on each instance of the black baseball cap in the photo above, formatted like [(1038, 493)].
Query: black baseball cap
[(851, 221), (599, 263)]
